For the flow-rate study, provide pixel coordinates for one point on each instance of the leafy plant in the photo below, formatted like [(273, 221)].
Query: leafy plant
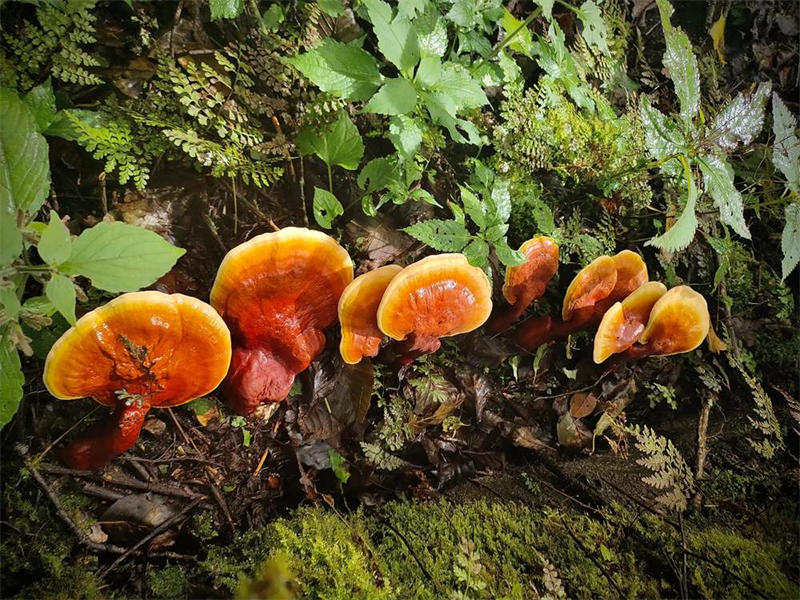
[(786, 156), (671, 476)]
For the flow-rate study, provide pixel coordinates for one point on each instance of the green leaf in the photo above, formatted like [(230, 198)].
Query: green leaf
[(338, 144), (547, 8), (64, 126), (473, 207), (445, 236), (397, 38), (274, 15), (501, 199), (509, 256), (376, 175), (9, 300), (661, 135), (682, 231), (718, 180), (742, 118), (338, 466), (396, 97), (406, 135), (790, 240), (118, 257), (42, 102), (24, 164), (11, 381), (523, 40), (456, 90), (225, 9), (477, 253), (594, 31), (786, 149), (543, 216), (332, 8), (681, 63), (429, 71), (55, 244), (431, 34), (10, 235), (326, 207), (340, 69), (61, 292)]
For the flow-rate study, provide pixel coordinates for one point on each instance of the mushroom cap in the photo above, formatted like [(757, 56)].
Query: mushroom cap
[(592, 284), (279, 290), (168, 348), (435, 297), (679, 322), (358, 309), (527, 282), (631, 274), (624, 322)]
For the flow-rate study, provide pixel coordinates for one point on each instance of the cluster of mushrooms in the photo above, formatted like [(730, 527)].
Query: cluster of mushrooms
[(275, 295)]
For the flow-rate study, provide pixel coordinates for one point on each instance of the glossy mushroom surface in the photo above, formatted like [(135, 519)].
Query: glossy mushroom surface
[(679, 322), (141, 350), (624, 322), (277, 292), (593, 283), (435, 297), (358, 313)]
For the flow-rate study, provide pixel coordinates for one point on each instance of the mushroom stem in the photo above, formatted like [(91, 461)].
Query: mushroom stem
[(541, 330), (256, 376), (505, 317), (108, 439), (411, 348)]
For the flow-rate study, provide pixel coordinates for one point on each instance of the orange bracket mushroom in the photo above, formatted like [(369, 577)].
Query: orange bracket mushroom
[(277, 293), (594, 289), (141, 350), (358, 308), (436, 297), (624, 322), (526, 282)]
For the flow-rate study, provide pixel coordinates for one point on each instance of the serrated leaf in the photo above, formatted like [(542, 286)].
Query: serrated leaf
[(55, 244), (445, 236), (501, 198), (118, 257), (42, 102), (24, 163), (477, 252), (508, 256), (543, 216), (340, 69), (376, 175), (64, 122), (11, 381), (681, 234), (661, 135), (456, 90), (225, 9), (742, 118), (474, 207), (406, 135), (339, 144), (61, 292), (429, 71), (718, 181), (547, 8), (681, 63), (326, 207), (523, 39), (431, 33), (9, 301), (396, 97), (786, 149), (790, 240), (397, 37), (595, 31)]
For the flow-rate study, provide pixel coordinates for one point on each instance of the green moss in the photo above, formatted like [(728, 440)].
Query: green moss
[(204, 526), (167, 582)]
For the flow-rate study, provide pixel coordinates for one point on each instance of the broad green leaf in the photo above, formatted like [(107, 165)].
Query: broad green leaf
[(376, 175), (61, 292), (558, 63), (473, 207), (431, 34), (718, 180), (456, 90), (118, 257), (594, 31), (274, 15), (397, 37), (501, 198), (332, 8), (340, 69), (523, 40), (64, 125), (55, 245), (547, 8), (790, 240), (508, 256), (42, 102), (11, 380), (24, 164), (681, 234), (681, 63), (9, 301), (225, 9), (742, 118), (10, 235), (661, 135), (786, 149), (406, 135), (40, 305), (477, 253), (445, 236), (326, 207), (339, 144), (458, 212), (429, 71), (396, 97)]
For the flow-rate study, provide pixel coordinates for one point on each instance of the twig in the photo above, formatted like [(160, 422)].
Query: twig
[(101, 492), (702, 449), (163, 527), (261, 462)]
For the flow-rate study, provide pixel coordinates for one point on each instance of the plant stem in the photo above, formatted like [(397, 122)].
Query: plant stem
[(330, 180), (507, 40)]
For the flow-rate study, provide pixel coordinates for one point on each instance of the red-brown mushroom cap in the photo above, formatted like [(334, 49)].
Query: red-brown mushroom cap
[(592, 284), (679, 322), (277, 293), (526, 282), (169, 349), (358, 313), (631, 274), (624, 322), (435, 297)]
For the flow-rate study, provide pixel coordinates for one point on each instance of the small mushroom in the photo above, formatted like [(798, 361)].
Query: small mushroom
[(436, 297), (526, 282), (624, 322), (141, 350), (277, 292), (358, 308)]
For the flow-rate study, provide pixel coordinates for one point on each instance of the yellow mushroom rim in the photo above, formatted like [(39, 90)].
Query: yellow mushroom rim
[(592, 283), (679, 322), (631, 273), (438, 296), (624, 322), (542, 264), (169, 348), (358, 308)]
